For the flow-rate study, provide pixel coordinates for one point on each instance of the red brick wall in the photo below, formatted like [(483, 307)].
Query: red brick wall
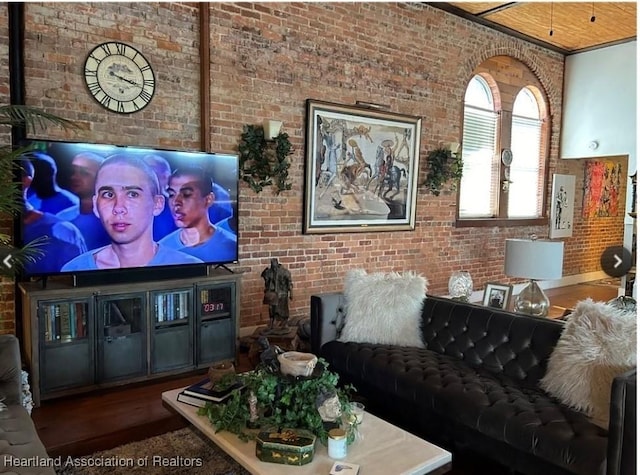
[(7, 307), (266, 60)]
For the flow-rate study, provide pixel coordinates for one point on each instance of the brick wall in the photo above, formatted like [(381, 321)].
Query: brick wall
[(266, 60), (7, 307)]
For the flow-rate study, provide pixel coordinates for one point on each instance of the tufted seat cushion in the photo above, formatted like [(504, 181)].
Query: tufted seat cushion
[(490, 403)]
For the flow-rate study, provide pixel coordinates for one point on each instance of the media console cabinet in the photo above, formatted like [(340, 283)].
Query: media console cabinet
[(77, 339)]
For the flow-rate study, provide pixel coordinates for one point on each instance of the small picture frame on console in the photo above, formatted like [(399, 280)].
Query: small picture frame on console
[(497, 295)]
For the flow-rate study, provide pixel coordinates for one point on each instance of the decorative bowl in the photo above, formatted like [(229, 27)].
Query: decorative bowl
[(220, 370), (295, 363)]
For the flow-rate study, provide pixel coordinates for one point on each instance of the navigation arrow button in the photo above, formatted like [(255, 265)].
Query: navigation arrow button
[(616, 261)]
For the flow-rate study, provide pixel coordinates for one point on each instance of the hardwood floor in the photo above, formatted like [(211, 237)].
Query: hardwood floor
[(81, 425)]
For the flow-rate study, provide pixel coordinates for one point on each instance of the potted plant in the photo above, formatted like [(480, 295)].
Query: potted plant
[(11, 202), (262, 162), (281, 402), (443, 166)]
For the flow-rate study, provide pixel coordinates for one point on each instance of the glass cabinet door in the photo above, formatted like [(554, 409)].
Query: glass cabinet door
[(122, 337), (216, 329), (66, 348), (172, 332)]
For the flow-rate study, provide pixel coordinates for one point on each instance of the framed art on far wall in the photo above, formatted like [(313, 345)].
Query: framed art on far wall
[(562, 199), (361, 169), (497, 295)]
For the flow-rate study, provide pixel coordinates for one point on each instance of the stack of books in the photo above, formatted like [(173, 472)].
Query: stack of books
[(203, 392)]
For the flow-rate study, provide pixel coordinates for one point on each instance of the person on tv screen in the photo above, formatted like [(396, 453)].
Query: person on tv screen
[(190, 197), (62, 240), (163, 223), (44, 192), (127, 198), (221, 212), (84, 168)]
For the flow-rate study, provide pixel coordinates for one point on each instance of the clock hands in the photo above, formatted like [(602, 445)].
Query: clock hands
[(122, 78)]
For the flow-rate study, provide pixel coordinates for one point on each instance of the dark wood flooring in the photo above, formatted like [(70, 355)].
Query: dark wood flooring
[(80, 425)]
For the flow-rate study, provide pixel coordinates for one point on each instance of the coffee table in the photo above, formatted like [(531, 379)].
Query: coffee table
[(383, 448)]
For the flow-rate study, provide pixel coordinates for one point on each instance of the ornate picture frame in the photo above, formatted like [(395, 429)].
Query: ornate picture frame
[(497, 295), (361, 169)]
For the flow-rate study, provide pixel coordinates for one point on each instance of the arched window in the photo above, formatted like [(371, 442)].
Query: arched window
[(525, 191), (504, 130), (478, 193)]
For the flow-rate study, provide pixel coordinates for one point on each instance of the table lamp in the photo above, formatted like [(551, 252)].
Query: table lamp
[(534, 260)]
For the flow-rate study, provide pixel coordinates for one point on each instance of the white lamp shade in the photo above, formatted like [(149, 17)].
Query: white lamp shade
[(533, 259)]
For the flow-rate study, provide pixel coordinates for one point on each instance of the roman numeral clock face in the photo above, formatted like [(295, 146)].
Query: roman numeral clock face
[(119, 77)]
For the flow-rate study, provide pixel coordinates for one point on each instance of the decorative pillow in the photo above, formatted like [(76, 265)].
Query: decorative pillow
[(384, 308), (597, 344)]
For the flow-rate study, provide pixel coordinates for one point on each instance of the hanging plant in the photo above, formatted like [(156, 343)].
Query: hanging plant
[(443, 167), (264, 163)]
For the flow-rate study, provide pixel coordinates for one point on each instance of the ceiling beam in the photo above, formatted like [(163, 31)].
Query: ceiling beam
[(497, 9), (447, 7)]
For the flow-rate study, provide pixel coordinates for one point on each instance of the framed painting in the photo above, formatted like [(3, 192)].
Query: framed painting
[(361, 169), (603, 180), (497, 295), (563, 195)]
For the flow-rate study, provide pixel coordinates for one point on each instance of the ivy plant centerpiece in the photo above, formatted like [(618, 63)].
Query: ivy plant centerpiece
[(281, 402)]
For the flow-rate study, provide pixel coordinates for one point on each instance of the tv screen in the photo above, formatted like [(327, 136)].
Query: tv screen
[(104, 207)]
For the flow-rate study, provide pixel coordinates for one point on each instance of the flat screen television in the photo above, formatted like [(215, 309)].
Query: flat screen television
[(127, 210)]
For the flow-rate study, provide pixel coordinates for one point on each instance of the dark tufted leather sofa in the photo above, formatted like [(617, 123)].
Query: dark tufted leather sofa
[(475, 388)]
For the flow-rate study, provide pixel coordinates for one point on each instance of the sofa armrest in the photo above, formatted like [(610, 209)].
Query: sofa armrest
[(10, 370), (327, 318), (621, 451)]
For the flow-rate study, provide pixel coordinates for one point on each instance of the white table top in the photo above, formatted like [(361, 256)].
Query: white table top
[(382, 448)]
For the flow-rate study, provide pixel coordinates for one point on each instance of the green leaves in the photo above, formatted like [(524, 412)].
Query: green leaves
[(31, 118), (283, 402), (442, 167), (261, 161), (11, 201)]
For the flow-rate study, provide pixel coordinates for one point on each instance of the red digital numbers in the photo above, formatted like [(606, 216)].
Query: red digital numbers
[(212, 307)]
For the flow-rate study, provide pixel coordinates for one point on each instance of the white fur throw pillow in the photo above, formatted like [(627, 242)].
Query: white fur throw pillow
[(597, 344), (384, 308)]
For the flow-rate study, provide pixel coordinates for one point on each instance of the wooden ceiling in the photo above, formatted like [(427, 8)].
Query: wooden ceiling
[(571, 22)]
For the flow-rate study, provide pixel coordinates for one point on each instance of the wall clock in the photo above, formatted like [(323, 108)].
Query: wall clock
[(119, 77)]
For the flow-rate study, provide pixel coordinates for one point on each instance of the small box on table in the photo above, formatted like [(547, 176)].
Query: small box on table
[(289, 446)]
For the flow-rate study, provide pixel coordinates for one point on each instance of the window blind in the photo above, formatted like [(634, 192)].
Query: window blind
[(525, 195), (478, 198)]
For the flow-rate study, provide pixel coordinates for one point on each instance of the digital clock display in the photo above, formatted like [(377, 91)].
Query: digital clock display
[(215, 301), (208, 308)]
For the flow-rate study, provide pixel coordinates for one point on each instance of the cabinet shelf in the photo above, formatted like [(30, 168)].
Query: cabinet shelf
[(81, 339), (173, 323), (218, 316)]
